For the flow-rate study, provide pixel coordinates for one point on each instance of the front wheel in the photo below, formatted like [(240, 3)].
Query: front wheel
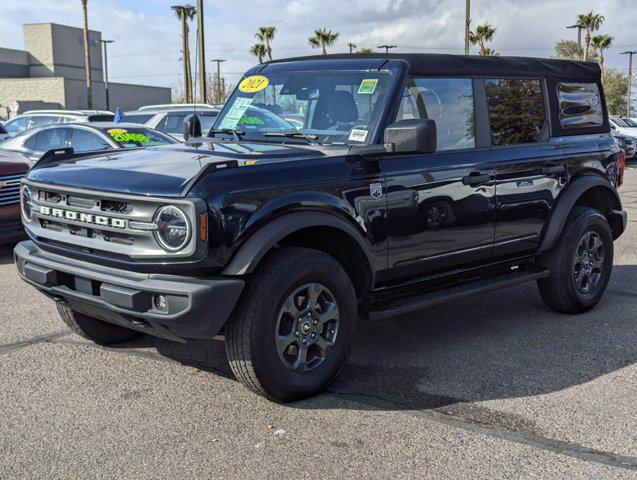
[(580, 263), (291, 332)]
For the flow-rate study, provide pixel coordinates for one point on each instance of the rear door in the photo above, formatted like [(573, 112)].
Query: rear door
[(440, 206)]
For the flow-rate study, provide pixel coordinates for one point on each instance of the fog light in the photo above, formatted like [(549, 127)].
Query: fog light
[(161, 303)]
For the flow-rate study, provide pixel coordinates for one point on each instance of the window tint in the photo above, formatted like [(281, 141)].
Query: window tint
[(580, 105), (175, 122), (87, 141), (448, 101), (516, 110), (50, 138)]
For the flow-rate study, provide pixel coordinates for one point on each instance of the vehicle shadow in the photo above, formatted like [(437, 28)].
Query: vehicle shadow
[(6, 253), (501, 345)]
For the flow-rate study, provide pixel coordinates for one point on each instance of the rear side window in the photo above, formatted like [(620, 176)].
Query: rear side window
[(51, 138), (447, 101), (516, 110), (580, 105), (87, 141)]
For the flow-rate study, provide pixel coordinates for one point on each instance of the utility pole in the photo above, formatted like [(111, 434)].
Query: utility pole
[(202, 53), (386, 47), (105, 55), (351, 46), (87, 59), (220, 93), (579, 40), (184, 49), (467, 25), (630, 77)]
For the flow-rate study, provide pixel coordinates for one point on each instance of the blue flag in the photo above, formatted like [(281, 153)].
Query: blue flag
[(118, 115)]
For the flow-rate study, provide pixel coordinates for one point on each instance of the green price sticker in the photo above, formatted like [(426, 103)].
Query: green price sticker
[(368, 86), (123, 137)]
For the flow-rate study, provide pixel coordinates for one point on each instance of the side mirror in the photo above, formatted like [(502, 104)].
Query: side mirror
[(192, 127), (412, 136)]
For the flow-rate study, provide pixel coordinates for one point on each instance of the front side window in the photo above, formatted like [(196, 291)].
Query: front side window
[(516, 110), (580, 105), (447, 101), (87, 141), (338, 107)]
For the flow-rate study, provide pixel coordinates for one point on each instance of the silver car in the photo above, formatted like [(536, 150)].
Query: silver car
[(39, 118)]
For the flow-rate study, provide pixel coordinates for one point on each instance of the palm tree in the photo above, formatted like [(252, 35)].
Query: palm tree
[(323, 38), (601, 43), (590, 22), (259, 50), (490, 52), (265, 35), (484, 33), (186, 13), (352, 46)]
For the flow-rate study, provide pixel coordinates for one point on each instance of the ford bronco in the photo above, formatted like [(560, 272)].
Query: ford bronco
[(333, 190)]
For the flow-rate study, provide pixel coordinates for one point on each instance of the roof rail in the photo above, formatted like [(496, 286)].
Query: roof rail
[(177, 105), (70, 112)]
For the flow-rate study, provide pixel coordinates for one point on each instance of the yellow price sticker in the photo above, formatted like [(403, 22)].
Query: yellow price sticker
[(253, 84)]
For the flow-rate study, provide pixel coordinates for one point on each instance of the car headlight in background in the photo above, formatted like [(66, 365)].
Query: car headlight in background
[(173, 228), (27, 210)]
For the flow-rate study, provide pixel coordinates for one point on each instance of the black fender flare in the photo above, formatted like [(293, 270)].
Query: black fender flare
[(567, 200), (246, 259)]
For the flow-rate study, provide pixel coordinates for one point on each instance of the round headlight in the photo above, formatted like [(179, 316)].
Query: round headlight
[(173, 228), (27, 211)]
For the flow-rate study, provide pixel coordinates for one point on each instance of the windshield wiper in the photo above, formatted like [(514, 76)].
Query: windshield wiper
[(311, 138), (228, 131)]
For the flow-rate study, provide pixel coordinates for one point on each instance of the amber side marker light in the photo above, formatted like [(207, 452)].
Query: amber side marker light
[(203, 226)]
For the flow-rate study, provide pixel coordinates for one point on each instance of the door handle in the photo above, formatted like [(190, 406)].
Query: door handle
[(476, 178), (553, 169)]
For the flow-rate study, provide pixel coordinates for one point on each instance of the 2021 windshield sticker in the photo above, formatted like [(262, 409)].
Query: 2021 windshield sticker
[(253, 84), (122, 136), (368, 86), (357, 135), (235, 114)]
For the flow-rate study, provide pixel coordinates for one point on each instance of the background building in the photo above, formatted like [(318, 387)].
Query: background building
[(49, 73)]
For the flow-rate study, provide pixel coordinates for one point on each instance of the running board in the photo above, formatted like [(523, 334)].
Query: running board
[(429, 299)]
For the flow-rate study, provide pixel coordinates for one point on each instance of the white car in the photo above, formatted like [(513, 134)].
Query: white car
[(170, 118), (621, 127)]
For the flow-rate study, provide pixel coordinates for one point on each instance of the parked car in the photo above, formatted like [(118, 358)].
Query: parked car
[(621, 127), (38, 118), (631, 122), (629, 144), (416, 180), (170, 118), (85, 137), (13, 168)]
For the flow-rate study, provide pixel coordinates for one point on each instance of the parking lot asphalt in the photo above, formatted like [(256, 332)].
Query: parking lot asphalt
[(491, 387)]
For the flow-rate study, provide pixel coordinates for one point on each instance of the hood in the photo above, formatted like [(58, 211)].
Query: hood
[(12, 163), (160, 171)]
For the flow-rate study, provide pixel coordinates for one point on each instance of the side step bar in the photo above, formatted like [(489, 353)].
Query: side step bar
[(429, 299)]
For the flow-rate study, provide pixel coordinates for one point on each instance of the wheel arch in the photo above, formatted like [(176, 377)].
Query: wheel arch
[(587, 191)]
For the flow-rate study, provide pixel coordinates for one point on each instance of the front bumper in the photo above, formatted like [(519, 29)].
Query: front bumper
[(197, 307)]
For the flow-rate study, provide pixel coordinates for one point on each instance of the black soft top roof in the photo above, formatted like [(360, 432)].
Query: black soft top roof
[(432, 64)]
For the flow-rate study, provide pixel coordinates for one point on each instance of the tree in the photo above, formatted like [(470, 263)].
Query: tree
[(483, 33), (365, 50), (265, 35), (570, 50), (601, 43), (217, 91), (590, 22), (323, 38), (259, 50), (490, 52), (186, 13), (616, 91), (352, 47), (87, 58)]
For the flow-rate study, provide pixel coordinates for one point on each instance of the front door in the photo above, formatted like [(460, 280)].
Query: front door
[(440, 206)]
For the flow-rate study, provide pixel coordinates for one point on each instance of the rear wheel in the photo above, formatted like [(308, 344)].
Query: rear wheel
[(580, 263), (291, 332), (95, 330)]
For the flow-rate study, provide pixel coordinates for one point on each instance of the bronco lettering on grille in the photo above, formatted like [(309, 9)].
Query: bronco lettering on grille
[(83, 217)]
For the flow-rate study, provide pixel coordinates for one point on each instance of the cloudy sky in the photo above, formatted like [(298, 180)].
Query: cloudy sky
[(148, 34)]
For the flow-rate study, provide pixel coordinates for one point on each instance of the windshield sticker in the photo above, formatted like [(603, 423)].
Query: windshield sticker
[(253, 84), (368, 86), (358, 135), (122, 136), (246, 120), (235, 114)]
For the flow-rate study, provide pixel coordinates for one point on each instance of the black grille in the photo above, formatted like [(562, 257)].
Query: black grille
[(10, 189)]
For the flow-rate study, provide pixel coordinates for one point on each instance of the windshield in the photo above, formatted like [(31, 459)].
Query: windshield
[(336, 107), (630, 122), (139, 137), (619, 122)]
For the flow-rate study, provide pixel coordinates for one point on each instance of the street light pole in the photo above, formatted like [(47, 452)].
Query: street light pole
[(467, 24), (202, 54), (579, 40), (219, 92), (630, 77), (105, 55), (386, 47)]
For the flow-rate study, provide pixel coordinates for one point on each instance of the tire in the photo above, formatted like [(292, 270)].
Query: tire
[(265, 315), (100, 332), (566, 290)]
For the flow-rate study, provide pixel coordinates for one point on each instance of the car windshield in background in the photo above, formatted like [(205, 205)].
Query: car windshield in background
[(630, 122), (336, 107), (127, 137), (619, 122)]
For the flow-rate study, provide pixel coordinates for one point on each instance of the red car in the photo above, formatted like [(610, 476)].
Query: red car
[(12, 168)]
